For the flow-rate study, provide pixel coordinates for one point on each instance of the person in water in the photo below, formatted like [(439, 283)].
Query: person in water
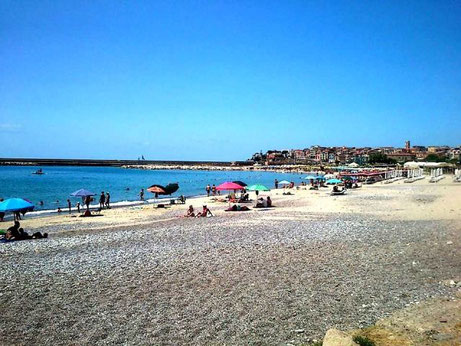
[(69, 205), (141, 195)]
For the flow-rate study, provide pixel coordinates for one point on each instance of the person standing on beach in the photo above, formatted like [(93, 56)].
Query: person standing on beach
[(213, 189), (107, 200), (69, 206), (87, 202), (276, 183), (141, 195), (78, 207), (102, 200), (208, 189)]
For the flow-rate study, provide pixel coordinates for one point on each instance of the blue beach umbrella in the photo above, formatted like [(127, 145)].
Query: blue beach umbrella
[(82, 193), (333, 181), (310, 177), (284, 182), (15, 204)]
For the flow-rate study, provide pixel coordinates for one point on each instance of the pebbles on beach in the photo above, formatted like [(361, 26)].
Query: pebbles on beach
[(267, 277), (220, 280)]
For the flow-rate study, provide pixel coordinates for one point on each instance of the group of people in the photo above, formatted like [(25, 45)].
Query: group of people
[(16, 214), (16, 232), (104, 200), (211, 190), (204, 213), (276, 184), (264, 203)]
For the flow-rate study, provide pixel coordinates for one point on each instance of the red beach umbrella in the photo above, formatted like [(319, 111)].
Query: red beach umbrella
[(228, 185)]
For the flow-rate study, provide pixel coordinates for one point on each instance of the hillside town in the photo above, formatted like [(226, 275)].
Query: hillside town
[(364, 155)]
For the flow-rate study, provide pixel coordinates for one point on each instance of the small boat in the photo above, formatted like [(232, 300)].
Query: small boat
[(38, 172)]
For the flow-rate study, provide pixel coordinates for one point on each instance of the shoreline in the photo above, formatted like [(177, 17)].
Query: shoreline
[(95, 207), (319, 202)]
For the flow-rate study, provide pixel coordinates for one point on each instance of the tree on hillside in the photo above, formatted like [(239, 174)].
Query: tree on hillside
[(380, 158), (434, 158)]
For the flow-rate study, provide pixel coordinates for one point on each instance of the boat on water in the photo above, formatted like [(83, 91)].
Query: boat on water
[(38, 172)]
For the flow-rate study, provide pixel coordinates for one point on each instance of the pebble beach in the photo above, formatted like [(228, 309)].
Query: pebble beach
[(284, 275)]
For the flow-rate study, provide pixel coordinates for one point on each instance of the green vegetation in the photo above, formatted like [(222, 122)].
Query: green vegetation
[(363, 341), (434, 158), (380, 158)]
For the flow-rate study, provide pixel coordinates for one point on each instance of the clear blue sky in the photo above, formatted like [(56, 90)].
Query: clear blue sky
[(219, 80)]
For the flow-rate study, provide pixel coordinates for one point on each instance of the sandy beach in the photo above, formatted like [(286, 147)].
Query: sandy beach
[(141, 275)]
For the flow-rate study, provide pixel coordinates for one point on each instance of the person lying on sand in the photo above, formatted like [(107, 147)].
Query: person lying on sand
[(205, 212), (237, 207), (190, 212), (15, 232)]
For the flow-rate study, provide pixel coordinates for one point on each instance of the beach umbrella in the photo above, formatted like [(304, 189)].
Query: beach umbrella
[(257, 187), (82, 193), (333, 181), (156, 189), (284, 182), (310, 177), (228, 185), (241, 183), (15, 204), (329, 176), (171, 188)]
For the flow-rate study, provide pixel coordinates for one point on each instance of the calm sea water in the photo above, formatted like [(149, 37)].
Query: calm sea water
[(59, 182)]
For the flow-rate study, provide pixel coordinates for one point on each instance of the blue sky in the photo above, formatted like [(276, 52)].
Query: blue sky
[(219, 80)]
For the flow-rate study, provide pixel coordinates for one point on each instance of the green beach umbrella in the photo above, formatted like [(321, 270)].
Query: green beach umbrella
[(257, 187), (333, 181)]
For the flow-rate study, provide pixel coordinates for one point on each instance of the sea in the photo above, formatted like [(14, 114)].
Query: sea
[(58, 182)]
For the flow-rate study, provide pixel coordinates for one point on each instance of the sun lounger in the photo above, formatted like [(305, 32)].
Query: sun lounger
[(338, 193)]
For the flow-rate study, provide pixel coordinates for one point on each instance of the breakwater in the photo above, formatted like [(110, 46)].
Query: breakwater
[(106, 163)]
